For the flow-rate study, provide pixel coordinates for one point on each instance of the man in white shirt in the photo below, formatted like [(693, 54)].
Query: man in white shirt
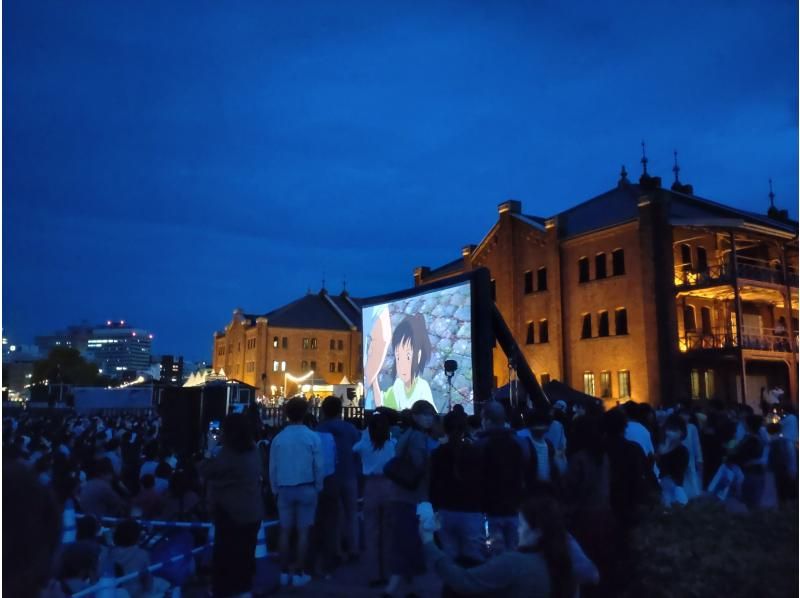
[(296, 474)]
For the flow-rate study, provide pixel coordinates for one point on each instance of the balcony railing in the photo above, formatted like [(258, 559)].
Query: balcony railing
[(760, 339), (721, 272)]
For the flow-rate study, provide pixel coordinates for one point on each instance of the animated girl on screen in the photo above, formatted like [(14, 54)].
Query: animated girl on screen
[(412, 350)]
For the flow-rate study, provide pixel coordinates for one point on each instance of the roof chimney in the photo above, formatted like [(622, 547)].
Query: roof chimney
[(512, 206)]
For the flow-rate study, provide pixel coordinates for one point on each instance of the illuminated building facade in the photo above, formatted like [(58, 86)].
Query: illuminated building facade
[(646, 293), (319, 333), (117, 347)]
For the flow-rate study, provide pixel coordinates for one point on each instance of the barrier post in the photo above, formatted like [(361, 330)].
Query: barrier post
[(68, 523)]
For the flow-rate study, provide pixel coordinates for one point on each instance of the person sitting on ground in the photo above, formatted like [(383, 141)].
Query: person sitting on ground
[(127, 557), (540, 567)]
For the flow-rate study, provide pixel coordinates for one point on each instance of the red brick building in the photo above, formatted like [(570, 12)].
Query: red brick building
[(645, 292)]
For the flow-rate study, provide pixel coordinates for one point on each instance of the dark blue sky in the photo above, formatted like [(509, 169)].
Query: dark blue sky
[(165, 162)]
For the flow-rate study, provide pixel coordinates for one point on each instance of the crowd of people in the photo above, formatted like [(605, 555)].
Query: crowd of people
[(508, 503)]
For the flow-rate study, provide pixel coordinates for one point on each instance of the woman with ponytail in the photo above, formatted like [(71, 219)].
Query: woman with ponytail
[(542, 566)]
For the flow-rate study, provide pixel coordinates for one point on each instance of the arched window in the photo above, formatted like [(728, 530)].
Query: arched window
[(600, 266)]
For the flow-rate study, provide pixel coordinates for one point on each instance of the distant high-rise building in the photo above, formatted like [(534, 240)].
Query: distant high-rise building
[(73, 337), (172, 370), (117, 347)]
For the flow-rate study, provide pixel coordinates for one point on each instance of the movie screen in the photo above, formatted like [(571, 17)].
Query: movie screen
[(411, 346)]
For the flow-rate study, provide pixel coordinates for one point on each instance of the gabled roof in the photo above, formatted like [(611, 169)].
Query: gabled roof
[(449, 268), (317, 310), (613, 207)]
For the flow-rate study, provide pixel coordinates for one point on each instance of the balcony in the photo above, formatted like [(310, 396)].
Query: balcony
[(686, 276), (755, 339)]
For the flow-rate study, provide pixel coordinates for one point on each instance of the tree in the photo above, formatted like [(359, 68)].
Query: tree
[(66, 366)]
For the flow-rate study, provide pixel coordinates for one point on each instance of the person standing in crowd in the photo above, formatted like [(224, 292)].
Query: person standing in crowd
[(234, 477), (539, 452), (637, 432), (782, 463), (327, 518), (789, 424), (541, 567), (376, 448), (751, 455), (409, 472), (693, 479), (296, 477), (457, 489), (345, 435), (673, 461), (503, 474), (98, 497)]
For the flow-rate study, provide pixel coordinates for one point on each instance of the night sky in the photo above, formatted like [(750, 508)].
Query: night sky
[(166, 162)]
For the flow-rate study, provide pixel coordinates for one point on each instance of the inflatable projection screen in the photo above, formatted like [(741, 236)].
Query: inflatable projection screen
[(431, 343)]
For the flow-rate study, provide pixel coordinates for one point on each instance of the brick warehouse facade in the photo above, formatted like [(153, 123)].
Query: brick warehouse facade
[(645, 293), (319, 332)]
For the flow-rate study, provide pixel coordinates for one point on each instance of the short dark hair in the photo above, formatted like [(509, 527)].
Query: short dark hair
[(455, 424), (127, 533), (296, 410), (615, 422), (148, 481), (237, 434), (413, 330), (332, 407), (494, 413)]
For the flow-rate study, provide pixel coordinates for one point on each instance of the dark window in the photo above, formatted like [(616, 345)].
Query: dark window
[(541, 279), (602, 326), (583, 269), (586, 332), (304, 366), (618, 262), (686, 257), (529, 335), (494, 290), (600, 266), (284, 343), (333, 344), (705, 320), (331, 367), (313, 365), (305, 343), (702, 259), (528, 282), (340, 345), (313, 343), (275, 342), (544, 379), (340, 367), (621, 321), (689, 322), (544, 335)]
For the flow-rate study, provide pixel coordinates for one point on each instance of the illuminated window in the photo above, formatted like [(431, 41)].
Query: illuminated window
[(306, 343), (709, 384), (624, 379), (274, 366), (621, 317), (588, 383), (313, 343), (602, 325), (586, 331), (528, 282), (541, 279), (544, 333), (618, 262), (600, 266), (695, 381), (331, 367), (529, 335), (605, 384), (275, 342), (340, 367), (583, 269), (283, 366)]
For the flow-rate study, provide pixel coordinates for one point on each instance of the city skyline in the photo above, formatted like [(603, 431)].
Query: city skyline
[(168, 163)]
